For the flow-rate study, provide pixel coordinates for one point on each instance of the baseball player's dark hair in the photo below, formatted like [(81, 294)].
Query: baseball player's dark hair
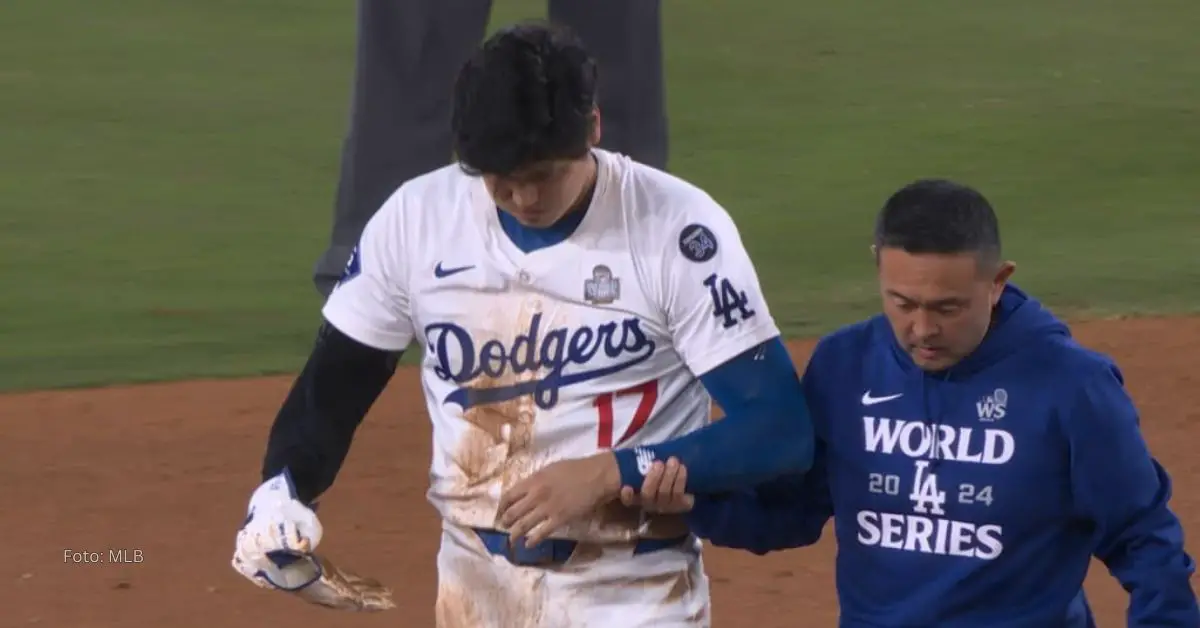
[(940, 217), (527, 95)]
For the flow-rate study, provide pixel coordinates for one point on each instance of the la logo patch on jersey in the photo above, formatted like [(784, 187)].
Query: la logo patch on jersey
[(602, 288)]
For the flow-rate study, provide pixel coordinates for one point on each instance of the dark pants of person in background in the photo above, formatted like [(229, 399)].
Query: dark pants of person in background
[(408, 54)]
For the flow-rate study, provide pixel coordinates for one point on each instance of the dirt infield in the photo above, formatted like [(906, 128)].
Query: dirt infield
[(163, 471)]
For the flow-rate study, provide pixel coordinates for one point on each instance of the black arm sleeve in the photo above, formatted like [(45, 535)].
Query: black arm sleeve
[(313, 430)]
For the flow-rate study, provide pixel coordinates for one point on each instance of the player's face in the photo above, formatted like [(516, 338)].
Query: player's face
[(538, 196), (939, 306)]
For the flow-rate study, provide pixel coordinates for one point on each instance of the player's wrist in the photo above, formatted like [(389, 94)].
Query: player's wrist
[(609, 476)]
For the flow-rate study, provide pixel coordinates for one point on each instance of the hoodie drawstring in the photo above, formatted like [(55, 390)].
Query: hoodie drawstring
[(933, 419)]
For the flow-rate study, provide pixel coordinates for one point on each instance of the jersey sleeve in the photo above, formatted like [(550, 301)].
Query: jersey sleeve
[(371, 300), (715, 307)]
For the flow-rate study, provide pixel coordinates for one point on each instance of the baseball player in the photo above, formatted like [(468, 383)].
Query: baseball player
[(973, 456), (578, 312)]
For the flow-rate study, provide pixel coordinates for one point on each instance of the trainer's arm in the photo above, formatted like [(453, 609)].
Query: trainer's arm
[(783, 513), (766, 431), (313, 430), (721, 326), (1124, 492)]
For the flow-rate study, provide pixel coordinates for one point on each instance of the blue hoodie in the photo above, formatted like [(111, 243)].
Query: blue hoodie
[(974, 496)]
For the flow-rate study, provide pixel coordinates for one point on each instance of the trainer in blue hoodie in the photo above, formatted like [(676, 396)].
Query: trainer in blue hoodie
[(973, 456)]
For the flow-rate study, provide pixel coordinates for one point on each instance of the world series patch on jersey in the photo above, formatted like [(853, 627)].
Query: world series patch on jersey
[(590, 344)]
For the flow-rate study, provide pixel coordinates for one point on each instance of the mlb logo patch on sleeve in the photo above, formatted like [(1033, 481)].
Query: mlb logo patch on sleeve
[(353, 266)]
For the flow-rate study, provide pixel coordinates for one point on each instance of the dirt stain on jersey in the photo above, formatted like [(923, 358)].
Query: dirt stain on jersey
[(506, 425), (478, 593), (496, 432), (616, 523), (498, 443)]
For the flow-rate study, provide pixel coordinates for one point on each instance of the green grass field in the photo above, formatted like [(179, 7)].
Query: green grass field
[(168, 167)]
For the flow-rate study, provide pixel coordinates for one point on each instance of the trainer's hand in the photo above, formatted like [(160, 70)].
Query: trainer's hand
[(662, 490), (558, 494), (274, 546)]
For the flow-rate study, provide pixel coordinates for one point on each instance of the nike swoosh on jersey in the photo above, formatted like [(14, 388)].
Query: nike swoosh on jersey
[(868, 400), (440, 272)]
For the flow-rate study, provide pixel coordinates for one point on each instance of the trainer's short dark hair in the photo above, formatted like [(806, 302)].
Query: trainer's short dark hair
[(939, 217), (527, 95)]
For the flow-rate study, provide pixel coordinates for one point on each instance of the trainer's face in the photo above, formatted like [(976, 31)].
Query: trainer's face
[(939, 306), (540, 195)]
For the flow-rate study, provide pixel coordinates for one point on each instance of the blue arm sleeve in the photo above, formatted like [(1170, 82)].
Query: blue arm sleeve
[(787, 512), (1124, 492), (766, 431)]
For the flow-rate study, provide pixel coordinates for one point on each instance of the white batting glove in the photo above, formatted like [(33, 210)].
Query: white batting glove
[(274, 546)]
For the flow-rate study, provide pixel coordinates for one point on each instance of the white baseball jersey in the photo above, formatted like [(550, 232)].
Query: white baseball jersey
[(590, 344)]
